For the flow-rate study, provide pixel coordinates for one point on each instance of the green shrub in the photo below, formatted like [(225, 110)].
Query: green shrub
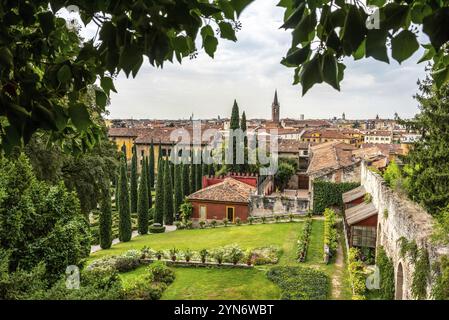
[(225, 222), (213, 223), (218, 254), (145, 290), (330, 231), (159, 272), (157, 229), (303, 241), (300, 283), (386, 271), (440, 289), (328, 194), (251, 220), (203, 255), (238, 221), (357, 275), (266, 255), (124, 263), (202, 224)]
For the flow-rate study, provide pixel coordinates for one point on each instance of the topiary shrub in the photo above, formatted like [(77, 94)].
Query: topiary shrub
[(159, 272), (157, 228)]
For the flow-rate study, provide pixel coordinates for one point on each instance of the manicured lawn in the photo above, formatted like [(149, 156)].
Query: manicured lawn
[(283, 235), (213, 284)]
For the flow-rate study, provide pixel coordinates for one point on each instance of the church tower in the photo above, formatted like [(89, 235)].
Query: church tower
[(275, 108)]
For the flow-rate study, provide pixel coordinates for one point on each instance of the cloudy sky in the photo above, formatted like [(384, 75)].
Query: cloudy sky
[(249, 70)]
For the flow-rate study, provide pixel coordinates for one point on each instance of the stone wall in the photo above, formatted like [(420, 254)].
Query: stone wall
[(402, 218), (272, 205)]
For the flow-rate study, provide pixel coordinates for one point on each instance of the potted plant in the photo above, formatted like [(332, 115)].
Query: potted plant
[(202, 224), (290, 217), (225, 222), (250, 219), (203, 254), (213, 223), (264, 219), (249, 257), (159, 254), (236, 255), (238, 221), (173, 253), (188, 254), (219, 255), (277, 218)]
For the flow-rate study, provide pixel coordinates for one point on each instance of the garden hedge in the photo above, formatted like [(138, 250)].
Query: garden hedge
[(328, 194)]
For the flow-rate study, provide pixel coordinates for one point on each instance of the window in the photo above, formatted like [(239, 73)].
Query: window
[(363, 236)]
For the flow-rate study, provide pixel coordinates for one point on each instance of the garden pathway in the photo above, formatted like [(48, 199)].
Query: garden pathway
[(337, 275), (134, 234)]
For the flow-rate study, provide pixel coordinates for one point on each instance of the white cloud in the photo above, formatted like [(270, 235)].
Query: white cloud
[(249, 71)]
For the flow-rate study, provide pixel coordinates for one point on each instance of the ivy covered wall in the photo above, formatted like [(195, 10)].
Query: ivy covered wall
[(327, 194)]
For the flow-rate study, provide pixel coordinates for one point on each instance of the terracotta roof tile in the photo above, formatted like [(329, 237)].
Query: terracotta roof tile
[(230, 190)]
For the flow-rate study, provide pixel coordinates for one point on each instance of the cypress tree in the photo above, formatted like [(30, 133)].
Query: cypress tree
[(245, 142), (234, 125), (151, 168), (159, 203), (106, 218), (199, 177), (133, 182), (192, 178), (168, 195), (125, 228), (178, 192), (117, 188), (185, 180), (142, 205), (150, 197)]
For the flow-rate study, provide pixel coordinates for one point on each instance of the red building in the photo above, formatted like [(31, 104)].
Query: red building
[(360, 219), (227, 199)]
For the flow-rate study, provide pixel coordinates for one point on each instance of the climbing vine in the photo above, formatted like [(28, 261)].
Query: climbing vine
[(440, 289), (409, 248), (421, 275), (386, 271), (327, 194)]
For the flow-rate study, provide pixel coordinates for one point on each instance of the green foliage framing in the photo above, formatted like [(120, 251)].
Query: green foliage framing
[(327, 194), (386, 270)]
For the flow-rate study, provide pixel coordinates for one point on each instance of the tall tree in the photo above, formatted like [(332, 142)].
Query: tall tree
[(133, 182), (245, 142), (185, 180), (125, 227), (199, 177), (178, 192), (192, 177), (234, 125), (106, 218), (168, 194), (159, 203), (427, 165), (150, 197), (142, 203), (151, 167)]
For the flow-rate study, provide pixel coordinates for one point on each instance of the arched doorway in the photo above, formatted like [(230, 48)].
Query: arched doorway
[(399, 282)]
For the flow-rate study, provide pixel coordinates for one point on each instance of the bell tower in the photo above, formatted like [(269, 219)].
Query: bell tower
[(275, 109)]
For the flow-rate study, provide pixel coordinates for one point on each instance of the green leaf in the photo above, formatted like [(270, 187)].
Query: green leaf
[(210, 45), (419, 11), (226, 31), (240, 5), (441, 76), (404, 45), (429, 53), (108, 85), (293, 20), (303, 30), (433, 27), (227, 9), (130, 58), (341, 71), (298, 56), (208, 9), (354, 30), (311, 73), (101, 99), (377, 3), (360, 52), (64, 74), (6, 58), (79, 116), (330, 70), (47, 22), (376, 45), (396, 16)]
